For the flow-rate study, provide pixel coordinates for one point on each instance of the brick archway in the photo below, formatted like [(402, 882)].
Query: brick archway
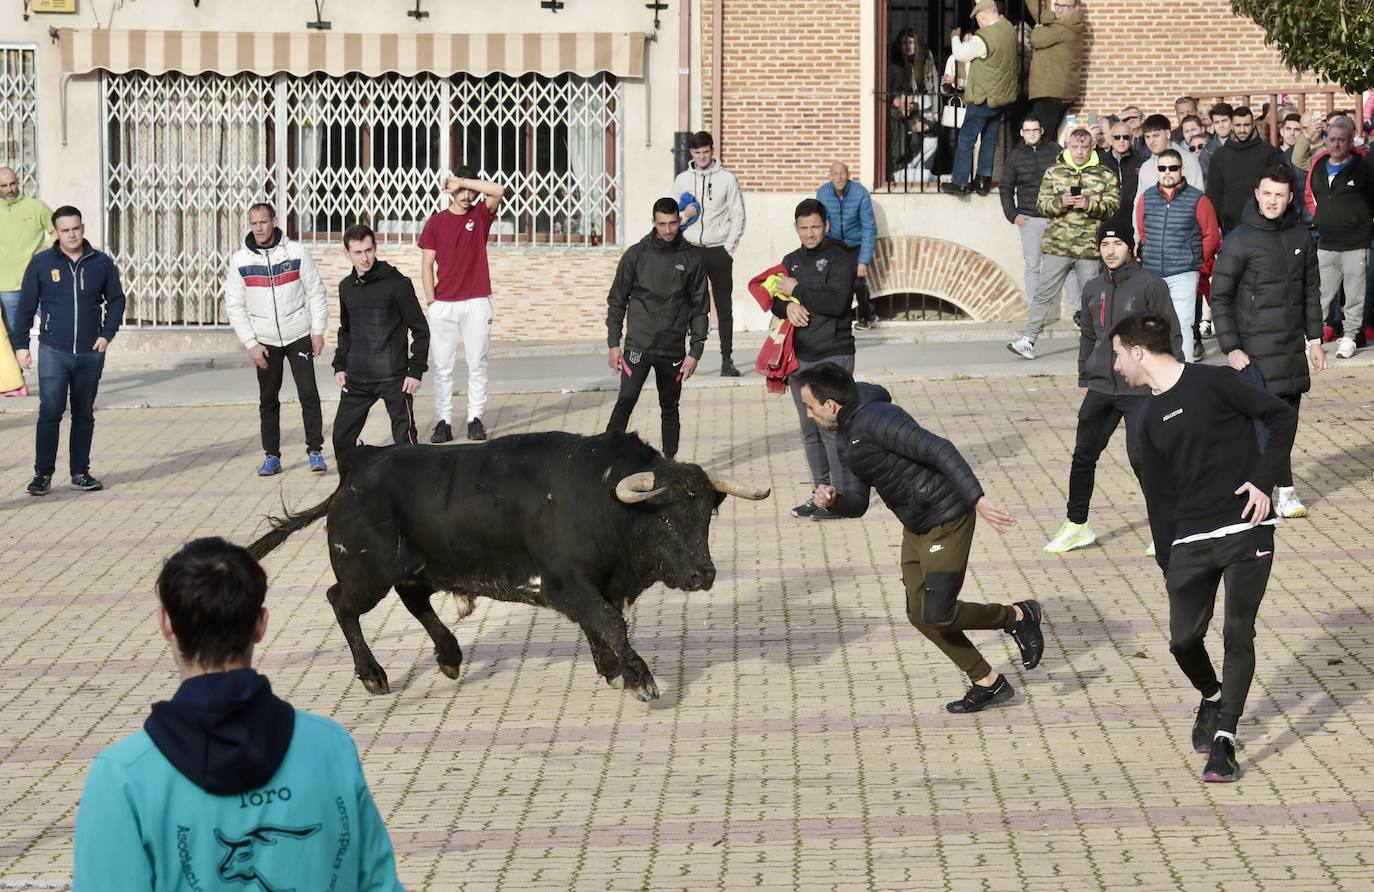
[(951, 272)]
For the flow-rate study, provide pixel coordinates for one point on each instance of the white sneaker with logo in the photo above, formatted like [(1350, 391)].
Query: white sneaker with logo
[(1070, 536), (1346, 348), (1205, 328), (1023, 347), (1289, 505)]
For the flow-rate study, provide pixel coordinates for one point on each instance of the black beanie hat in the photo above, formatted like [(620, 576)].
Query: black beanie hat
[(1117, 229)]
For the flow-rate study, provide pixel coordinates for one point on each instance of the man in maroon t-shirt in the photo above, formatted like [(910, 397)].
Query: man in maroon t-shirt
[(455, 242)]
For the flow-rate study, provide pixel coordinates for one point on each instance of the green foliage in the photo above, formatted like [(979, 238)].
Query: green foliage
[(1333, 38)]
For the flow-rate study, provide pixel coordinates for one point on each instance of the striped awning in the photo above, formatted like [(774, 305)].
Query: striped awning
[(336, 54)]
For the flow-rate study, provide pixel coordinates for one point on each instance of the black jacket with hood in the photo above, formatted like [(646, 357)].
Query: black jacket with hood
[(1266, 298), (663, 287), (825, 286), (1233, 174), (919, 475), (1107, 299), (375, 309)]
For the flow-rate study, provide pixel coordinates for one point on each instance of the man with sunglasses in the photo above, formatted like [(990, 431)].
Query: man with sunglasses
[(1133, 118), (1157, 140), (1176, 228), (1124, 160)]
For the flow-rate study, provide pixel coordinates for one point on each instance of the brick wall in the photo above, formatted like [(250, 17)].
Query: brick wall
[(538, 294), (790, 92)]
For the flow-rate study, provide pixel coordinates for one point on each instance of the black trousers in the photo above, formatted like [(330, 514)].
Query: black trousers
[(1243, 561), (1098, 418), (720, 269), (299, 355), (1051, 114), (868, 307), (356, 400), (634, 371)]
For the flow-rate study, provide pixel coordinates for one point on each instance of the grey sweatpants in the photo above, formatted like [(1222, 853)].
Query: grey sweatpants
[(1348, 268), (1032, 234), (1054, 270), (822, 455)]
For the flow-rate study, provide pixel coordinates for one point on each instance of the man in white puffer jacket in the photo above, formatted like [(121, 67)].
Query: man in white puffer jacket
[(713, 220), (276, 303)]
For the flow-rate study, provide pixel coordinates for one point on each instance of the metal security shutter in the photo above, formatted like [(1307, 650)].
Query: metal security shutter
[(19, 114)]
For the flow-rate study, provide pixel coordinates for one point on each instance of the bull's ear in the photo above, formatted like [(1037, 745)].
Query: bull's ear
[(719, 497)]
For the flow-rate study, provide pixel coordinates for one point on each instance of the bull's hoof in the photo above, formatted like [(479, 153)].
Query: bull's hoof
[(376, 685), (450, 669), (646, 691), (639, 681)]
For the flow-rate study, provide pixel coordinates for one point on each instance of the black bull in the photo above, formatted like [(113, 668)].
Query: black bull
[(582, 525)]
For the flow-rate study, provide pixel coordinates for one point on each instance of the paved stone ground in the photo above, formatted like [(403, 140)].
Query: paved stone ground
[(801, 741)]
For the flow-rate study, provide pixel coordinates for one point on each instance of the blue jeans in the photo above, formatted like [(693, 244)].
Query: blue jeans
[(9, 302), (59, 373), (979, 121)]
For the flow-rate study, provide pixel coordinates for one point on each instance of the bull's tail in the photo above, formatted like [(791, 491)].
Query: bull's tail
[(283, 527)]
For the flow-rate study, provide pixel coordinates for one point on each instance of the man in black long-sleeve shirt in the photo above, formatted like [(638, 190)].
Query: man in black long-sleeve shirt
[(924, 480), (1207, 491), (377, 305), (819, 289)]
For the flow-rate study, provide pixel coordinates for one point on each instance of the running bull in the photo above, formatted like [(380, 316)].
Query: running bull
[(582, 525)]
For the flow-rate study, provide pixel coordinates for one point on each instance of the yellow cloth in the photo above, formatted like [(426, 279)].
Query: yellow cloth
[(770, 284), (11, 378)]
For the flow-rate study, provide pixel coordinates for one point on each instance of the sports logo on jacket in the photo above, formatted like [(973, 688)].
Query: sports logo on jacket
[(822, 263), (260, 275), (240, 862), (469, 225)]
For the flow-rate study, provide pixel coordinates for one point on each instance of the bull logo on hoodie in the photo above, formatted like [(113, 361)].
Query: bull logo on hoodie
[(241, 855)]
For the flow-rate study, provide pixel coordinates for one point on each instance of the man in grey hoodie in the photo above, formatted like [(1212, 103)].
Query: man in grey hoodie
[(716, 229)]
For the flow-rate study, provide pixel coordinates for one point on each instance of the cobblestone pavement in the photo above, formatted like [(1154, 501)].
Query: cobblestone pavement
[(801, 740)]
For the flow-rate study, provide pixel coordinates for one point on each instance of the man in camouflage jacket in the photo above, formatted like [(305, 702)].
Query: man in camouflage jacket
[(1077, 194)]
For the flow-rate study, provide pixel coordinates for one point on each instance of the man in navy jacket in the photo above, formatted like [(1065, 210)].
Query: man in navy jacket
[(75, 290)]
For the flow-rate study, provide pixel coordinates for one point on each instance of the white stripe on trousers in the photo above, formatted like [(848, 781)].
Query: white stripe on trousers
[(450, 320)]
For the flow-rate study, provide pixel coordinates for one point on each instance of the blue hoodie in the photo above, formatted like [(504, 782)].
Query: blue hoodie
[(851, 217), (79, 301), (227, 785)]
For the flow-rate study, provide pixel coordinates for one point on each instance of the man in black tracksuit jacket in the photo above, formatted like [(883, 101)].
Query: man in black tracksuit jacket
[(1207, 485), (376, 307), (1124, 289), (661, 283), (819, 281), (924, 480)]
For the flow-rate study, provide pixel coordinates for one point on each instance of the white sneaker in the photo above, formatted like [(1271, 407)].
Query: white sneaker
[(1346, 348), (1289, 505), (1023, 347), (1205, 328), (1070, 536)]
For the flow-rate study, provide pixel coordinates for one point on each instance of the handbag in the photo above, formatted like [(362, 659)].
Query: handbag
[(952, 115)]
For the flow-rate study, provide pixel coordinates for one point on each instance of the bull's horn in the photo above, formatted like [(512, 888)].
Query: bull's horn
[(637, 488), (735, 488)]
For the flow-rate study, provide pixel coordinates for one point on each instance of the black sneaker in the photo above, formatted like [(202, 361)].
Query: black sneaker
[(442, 433), (866, 322), (954, 189), (982, 185), (979, 698), (86, 483), (805, 509), (728, 370), (40, 485), (1221, 764), (1027, 635), (475, 430), (1205, 725), (824, 514)]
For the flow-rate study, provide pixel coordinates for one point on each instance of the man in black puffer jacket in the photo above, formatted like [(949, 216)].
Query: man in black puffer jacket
[(1266, 303), (1235, 169), (1021, 175), (820, 283), (924, 480), (661, 284), (377, 304)]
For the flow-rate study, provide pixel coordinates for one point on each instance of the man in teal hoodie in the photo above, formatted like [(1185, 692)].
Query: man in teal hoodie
[(226, 783)]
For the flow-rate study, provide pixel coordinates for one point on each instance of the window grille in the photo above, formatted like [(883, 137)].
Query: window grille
[(19, 114), (185, 156)]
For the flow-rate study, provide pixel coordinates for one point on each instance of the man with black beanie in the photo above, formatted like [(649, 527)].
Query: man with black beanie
[(661, 284), (1123, 290)]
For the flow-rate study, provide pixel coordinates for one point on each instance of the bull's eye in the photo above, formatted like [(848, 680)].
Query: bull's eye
[(666, 520)]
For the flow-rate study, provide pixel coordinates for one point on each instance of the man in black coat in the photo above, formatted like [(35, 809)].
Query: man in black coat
[(1235, 168), (924, 480), (661, 283), (818, 289), (1020, 188), (1266, 304), (377, 305)]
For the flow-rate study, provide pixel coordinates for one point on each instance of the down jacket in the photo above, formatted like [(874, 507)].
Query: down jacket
[(1266, 299), (1073, 233), (1021, 175), (274, 295), (920, 476)]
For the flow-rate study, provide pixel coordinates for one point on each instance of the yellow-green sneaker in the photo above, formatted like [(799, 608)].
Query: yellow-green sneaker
[(1150, 552), (1070, 536)]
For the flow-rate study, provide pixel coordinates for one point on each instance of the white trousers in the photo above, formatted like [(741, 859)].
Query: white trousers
[(1183, 293), (450, 320)]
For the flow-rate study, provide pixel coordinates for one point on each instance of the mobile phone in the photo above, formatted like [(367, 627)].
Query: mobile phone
[(1075, 190)]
